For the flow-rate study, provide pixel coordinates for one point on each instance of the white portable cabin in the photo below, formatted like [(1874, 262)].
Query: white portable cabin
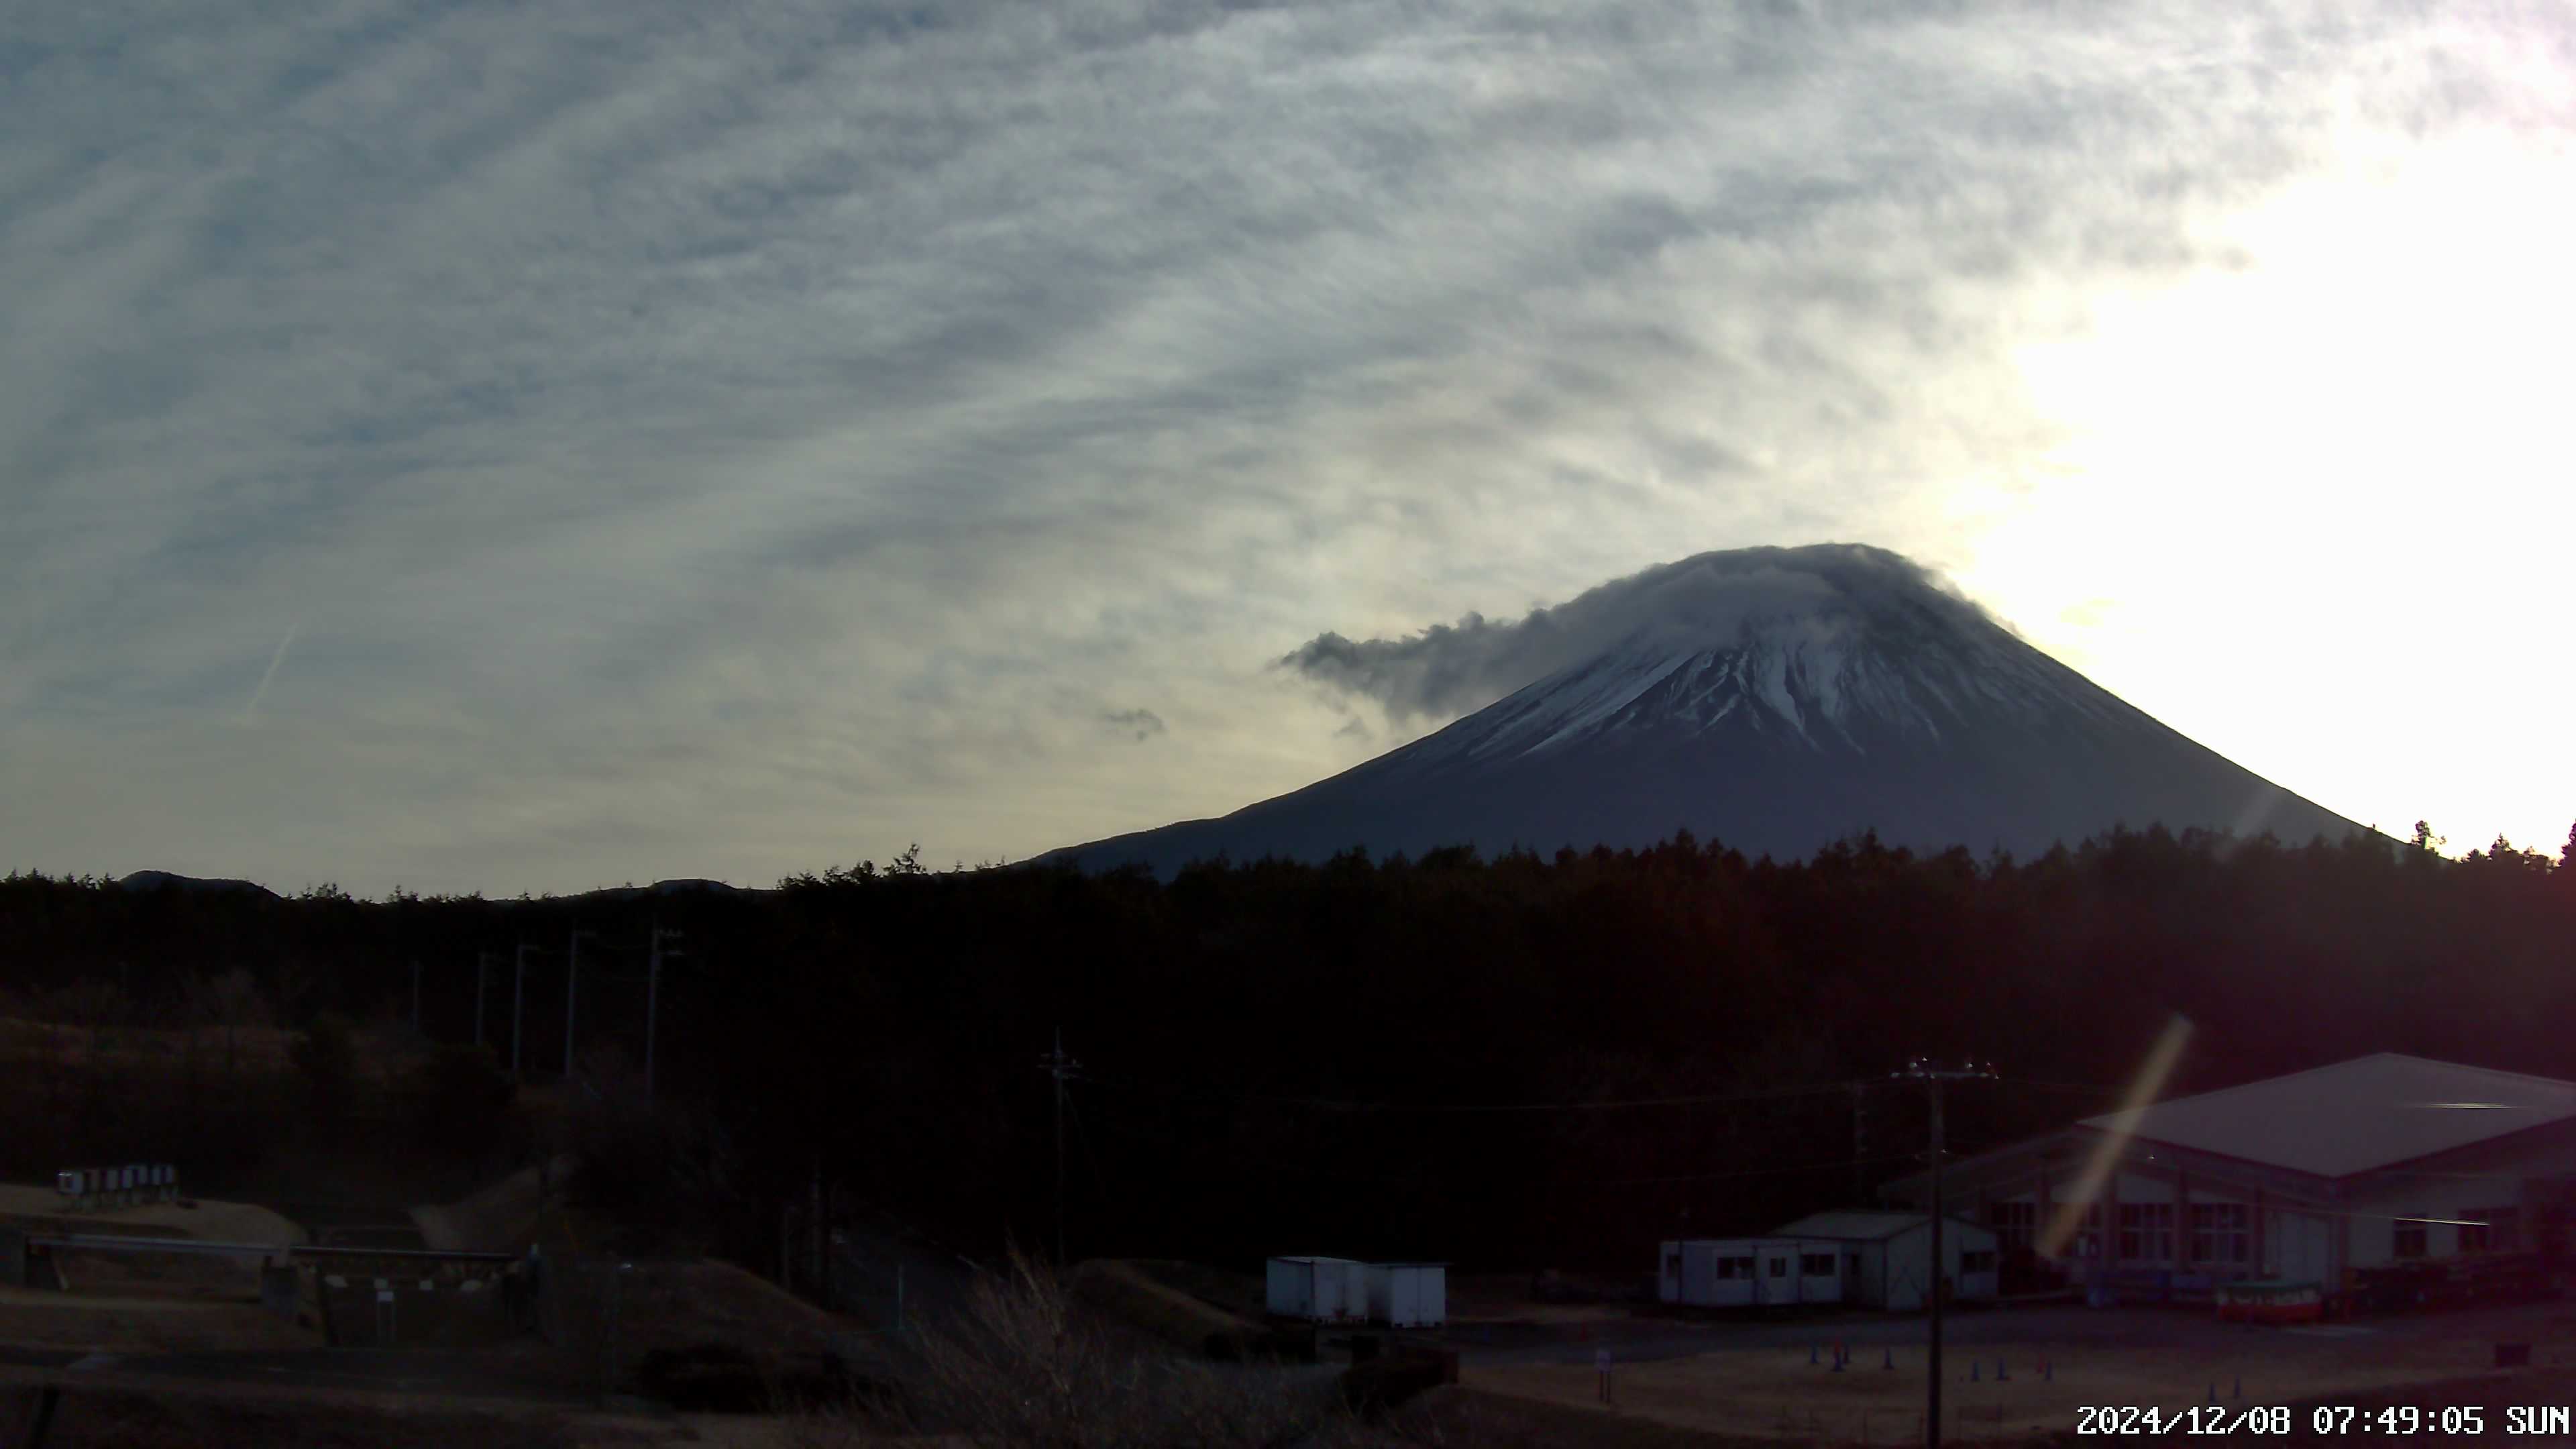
[(1320, 1290), (1752, 1272), (1408, 1295), (1888, 1256)]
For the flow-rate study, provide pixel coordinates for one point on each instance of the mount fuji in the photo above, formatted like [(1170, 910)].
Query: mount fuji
[(1774, 700)]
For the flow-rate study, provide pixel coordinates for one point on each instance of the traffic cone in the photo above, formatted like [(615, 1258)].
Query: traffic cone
[(2047, 1371), (1974, 1365), (1891, 1360), (1838, 1363)]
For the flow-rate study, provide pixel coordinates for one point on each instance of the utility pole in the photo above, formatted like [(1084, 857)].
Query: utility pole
[(1932, 1077), (818, 1232), (653, 1001), (1061, 1067), (518, 1007), (1860, 1143), (572, 979), (482, 963)]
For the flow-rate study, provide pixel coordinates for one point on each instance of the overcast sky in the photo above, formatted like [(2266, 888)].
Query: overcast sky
[(535, 446)]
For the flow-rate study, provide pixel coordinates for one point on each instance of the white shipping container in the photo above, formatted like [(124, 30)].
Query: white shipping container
[(1320, 1290), (1409, 1295)]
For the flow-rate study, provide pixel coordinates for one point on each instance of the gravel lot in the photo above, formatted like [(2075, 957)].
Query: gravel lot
[(1644, 1338), (1753, 1378)]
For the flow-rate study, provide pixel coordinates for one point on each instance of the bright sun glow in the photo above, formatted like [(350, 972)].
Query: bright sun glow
[(2146, 1087), (2346, 461)]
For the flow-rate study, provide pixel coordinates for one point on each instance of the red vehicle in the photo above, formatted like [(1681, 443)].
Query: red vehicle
[(2270, 1300)]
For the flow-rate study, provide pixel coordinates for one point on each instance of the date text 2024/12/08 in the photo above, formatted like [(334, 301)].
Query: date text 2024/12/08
[(2397, 1421)]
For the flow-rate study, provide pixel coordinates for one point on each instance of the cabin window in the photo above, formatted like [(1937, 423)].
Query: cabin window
[(2220, 1232), (2409, 1239), (2015, 1224), (1816, 1265), (1735, 1267), (1779, 1267)]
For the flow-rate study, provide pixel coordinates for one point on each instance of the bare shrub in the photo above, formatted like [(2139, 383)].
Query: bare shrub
[(455, 1100), (326, 1056), (90, 1002), (1022, 1367), (232, 1001)]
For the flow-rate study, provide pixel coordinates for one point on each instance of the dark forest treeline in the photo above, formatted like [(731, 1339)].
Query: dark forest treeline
[(1346, 1057)]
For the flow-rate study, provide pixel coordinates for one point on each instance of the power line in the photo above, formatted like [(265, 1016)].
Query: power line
[(1290, 1171), (1326, 1104), (1753, 1172), (2090, 1089)]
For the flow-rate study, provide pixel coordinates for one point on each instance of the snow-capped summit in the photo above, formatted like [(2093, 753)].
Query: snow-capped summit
[(1775, 700), (1884, 654)]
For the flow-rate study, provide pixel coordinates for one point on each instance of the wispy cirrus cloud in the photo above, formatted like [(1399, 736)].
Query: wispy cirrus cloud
[(1144, 722), (268, 676), (706, 442)]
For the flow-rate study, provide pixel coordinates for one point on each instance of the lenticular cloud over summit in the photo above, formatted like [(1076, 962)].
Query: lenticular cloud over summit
[(1449, 669), (1774, 700)]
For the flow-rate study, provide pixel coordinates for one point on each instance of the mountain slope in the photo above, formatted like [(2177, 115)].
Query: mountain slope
[(1802, 696), (153, 880)]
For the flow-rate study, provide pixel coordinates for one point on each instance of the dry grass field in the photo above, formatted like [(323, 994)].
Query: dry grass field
[(679, 1307), (1775, 1392), (1129, 1293)]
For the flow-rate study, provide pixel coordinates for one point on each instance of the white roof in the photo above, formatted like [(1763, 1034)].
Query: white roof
[(2353, 1116), (1767, 1240), (1865, 1226)]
